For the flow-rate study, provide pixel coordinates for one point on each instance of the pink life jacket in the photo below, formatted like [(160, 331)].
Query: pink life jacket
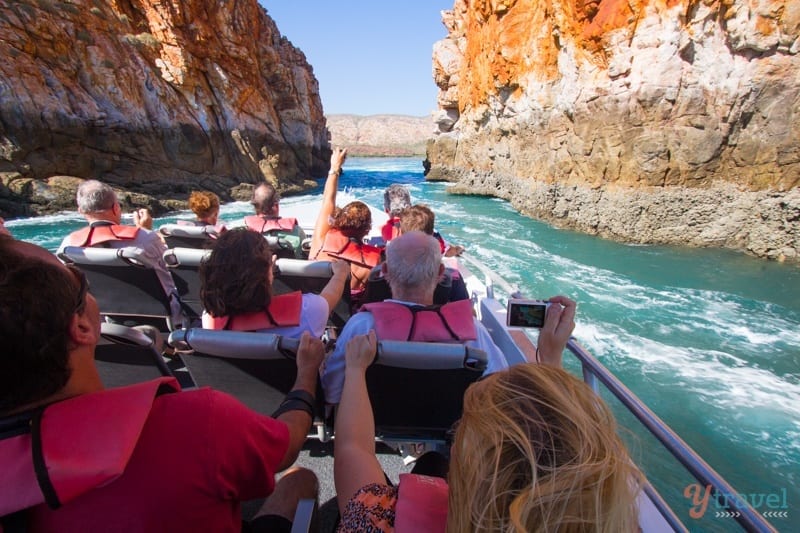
[(73, 446), (337, 244), (95, 234), (264, 224), (391, 229), (282, 311), (451, 322), (421, 504)]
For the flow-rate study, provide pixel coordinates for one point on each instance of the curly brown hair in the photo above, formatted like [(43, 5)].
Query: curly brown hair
[(203, 203), (354, 220), (233, 280)]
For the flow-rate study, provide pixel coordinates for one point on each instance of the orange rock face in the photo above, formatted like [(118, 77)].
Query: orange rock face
[(156, 95)]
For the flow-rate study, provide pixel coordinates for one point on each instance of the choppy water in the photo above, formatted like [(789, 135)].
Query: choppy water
[(709, 339)]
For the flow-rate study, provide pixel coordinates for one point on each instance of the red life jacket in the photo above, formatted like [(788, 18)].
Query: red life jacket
[(336, 244), (96, 234), (73, 446), (439, 238), (421, 504), (263, 224), (282, 311), (391, 229), (451, 322)]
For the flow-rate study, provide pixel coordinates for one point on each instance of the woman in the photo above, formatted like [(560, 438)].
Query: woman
[(236, 290), (339, 233), (535, 450), (205, 206)]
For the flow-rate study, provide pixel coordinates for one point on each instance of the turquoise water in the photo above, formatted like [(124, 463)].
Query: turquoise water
[(709, 339)]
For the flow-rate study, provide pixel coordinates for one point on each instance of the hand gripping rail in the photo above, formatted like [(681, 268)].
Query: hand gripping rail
[(430, 356), (234, 344)]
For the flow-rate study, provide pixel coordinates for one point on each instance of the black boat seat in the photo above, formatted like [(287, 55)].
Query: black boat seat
[(125, 356), (125, 284), (188, 236), (290, 275), (257, 368)]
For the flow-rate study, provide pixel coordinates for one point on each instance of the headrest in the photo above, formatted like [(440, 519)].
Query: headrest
[(119, 334), (191, 232), (191, 257), (300, 267), (430, 356), (233, 344), (115, 257)]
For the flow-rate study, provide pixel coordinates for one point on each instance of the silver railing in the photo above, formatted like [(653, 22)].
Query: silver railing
[(594, 373)]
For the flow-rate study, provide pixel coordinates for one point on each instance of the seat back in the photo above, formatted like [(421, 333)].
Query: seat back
[(184, 265), (417, 388), (310, 276), (125, 356), (257, 368), (188, 236), (124, 283)]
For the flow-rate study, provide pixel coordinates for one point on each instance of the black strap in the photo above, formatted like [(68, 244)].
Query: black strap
[(39, 466), (296, 400), (436, 309)]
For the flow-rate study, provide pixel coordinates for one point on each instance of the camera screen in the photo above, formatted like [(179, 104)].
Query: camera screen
[(526, 315)]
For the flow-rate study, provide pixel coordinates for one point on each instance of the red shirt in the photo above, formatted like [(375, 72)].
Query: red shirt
[(200, 453)]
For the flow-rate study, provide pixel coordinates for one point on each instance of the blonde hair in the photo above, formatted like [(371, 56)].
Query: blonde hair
[(537, 450), (204, 204)]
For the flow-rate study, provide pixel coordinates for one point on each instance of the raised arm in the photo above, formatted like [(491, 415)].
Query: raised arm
[(309, 357), (323, 223), (558, 325), (335, 287), (354, 461)]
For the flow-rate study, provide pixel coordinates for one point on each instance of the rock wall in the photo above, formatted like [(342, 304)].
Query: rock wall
[(153, 96), (380, 135), (652, 121)]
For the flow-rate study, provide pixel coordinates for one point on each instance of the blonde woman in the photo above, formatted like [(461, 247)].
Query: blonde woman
[(535, 450)]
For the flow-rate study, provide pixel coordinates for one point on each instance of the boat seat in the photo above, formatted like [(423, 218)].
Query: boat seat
[(417, 390), (257, 368), (125, 356), (125, 284), (290, 275), (188, 236)]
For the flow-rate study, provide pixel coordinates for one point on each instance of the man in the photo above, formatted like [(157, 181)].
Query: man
[(196, 456), (396, 198), (99, 205), (268, 221), (451, 286), (413, 267)]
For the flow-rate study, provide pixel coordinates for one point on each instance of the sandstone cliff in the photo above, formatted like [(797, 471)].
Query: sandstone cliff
[(152, 96), (380, 135), (652, 121)]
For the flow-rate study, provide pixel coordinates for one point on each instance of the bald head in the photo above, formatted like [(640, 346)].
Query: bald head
[(265, 200), (413, 263)]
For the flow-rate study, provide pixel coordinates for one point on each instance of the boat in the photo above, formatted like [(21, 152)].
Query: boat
[(204, 356)]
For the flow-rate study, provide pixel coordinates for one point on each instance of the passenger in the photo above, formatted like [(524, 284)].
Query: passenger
[(396, 198), (196, 456), (451, 287), (339, 234), (3, 228), (535, 450), (236, 290), (268, 221), (413, 267), (205, 206), (98, 204)]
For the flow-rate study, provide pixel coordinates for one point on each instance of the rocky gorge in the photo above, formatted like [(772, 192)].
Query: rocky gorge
[(647, 121), (155, 98)]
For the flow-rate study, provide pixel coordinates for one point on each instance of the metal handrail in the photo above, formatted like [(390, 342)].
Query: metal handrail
[(593, 371)]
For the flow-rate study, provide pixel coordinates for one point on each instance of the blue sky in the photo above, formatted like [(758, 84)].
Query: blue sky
[(369, 57)]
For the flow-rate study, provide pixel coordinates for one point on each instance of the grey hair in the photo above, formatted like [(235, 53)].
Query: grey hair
[(396, 198), (94, 196), (411, 265)]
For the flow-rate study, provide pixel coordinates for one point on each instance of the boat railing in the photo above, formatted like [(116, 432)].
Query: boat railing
[(595, 373)]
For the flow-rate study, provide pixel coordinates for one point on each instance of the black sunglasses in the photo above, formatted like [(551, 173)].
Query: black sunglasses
[(83, 283)]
